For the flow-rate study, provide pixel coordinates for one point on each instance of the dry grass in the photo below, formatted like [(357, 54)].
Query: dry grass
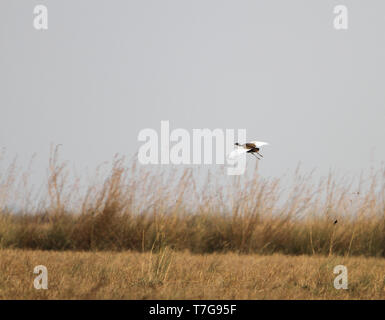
[(134, 208), (181, 275), (153, 235)]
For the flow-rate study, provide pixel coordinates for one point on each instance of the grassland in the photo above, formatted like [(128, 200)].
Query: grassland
[(139, 233), (133, 208), (182, 275)]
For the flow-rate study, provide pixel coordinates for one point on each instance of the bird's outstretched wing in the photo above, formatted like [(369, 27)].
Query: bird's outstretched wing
[(236, 153), (259, 144)]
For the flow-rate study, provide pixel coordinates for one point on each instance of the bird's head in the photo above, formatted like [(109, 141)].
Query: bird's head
[(237, 144)]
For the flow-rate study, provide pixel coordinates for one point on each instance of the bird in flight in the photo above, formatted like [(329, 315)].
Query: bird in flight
[(251, 147)]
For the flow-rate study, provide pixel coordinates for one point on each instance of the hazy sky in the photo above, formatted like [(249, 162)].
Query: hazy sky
[(104, 70)]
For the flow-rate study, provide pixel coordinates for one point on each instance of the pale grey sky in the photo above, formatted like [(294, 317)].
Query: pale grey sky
[(104, 70)]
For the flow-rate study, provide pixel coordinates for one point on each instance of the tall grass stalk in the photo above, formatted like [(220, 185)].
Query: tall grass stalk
[(133, 207)]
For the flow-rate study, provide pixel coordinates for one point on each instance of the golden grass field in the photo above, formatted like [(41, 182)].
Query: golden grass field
[(147, 234), (182, 275)]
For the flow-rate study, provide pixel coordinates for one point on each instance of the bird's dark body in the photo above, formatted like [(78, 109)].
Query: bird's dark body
[(253, 150), (247, 146), (251, 146)]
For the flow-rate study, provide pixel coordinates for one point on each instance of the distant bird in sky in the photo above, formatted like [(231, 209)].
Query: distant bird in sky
[(251, 147)]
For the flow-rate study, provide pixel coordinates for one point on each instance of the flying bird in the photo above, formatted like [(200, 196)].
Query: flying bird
[(251, 147)]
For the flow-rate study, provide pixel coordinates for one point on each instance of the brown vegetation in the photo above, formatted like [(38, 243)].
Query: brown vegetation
[(182, 275), (139, 209)]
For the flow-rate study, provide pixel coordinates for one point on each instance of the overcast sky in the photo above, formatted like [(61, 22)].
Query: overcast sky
[(104, 70)]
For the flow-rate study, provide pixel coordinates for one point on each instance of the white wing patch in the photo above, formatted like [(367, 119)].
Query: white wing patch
[(237, 153)]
